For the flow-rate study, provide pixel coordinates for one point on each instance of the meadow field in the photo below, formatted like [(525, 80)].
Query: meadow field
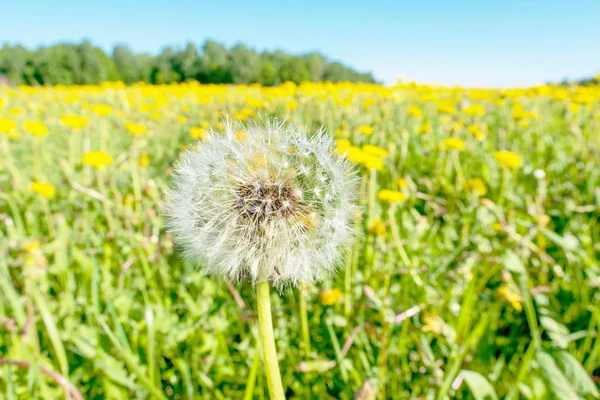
[(476, 274)]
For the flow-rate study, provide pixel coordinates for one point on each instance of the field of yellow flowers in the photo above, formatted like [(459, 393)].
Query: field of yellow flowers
[(476, 276)]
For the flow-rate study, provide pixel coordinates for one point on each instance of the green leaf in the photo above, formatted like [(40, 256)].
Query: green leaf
[(576, 374), (556, 381), (479, 386)]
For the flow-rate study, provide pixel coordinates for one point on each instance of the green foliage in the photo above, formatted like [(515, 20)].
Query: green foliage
[(464, 295), (85, 63)]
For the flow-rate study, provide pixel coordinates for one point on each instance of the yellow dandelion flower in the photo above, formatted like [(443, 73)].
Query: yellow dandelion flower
[(425, 128), (196, 133), (181, 119), (329, 297), (477, 185), (341, 146), (33, 246), (446, 108), (415, 111), (144, 160), (7, 125), (366, 129), (497, 227), (371, 161), (377, 151), (512, 296), (70, 98), (454, 143), (391, 196), (474, 109), (37, 128), (135, 129), (97, 159), (574, 107), (432, 323), (292, 105), (401, 182), (46, 190), (377, 228), (355, 154), (75, 122), (476, 131), (15, 111), (155, 115), (101, 110), (508, 159)]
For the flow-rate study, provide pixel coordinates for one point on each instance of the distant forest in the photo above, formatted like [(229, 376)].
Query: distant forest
[(84, 63)]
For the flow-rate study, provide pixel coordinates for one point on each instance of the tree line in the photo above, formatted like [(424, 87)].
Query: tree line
[(84, 63)]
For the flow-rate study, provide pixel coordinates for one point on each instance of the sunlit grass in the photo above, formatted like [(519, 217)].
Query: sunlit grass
[(477, 271)]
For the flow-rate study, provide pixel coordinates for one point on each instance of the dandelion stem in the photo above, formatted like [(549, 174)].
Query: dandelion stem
[(304, 320), (265, 327)]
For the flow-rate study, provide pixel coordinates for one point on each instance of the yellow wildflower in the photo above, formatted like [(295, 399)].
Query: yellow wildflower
[(97, 159), (292, 105), (391, 196), (401, 182), (196, 133), (474, 109), (181, 119), (15, 111), (7, 125), (454, 143), (477, 185), (433, 323), (144, 160), (33, 246), (341, 146), (425, 128), (371, 161), (355, 154), (329, 297), (476, 131), (508, 159), (37, 128), (155, 115), (415, 111), (366, 129), (46, 190), (135, 129), (574, 107), (377, 151), (446, 108), (511, 294), (377, 228), (101, 109), (75, 122)]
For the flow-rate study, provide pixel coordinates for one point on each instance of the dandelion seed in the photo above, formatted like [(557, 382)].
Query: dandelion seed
[(241, 207)]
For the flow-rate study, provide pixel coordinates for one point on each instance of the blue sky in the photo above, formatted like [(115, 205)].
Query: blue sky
[(472, 43)]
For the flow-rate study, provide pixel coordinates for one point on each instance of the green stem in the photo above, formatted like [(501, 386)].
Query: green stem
[(304, 321), (248, 394), (265, 327)]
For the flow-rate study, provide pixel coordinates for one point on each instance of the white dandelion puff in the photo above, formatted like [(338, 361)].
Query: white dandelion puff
[(274, 205)]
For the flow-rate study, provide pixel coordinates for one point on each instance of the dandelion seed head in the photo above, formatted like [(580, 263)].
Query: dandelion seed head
[(275, 204)]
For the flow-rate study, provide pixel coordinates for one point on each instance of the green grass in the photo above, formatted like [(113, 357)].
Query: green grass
[(106, 301)]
